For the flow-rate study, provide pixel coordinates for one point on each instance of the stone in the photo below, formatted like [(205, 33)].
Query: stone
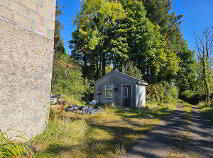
[(26, 59)]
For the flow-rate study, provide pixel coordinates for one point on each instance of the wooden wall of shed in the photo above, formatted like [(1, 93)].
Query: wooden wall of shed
[(117, 81), (140, 96)]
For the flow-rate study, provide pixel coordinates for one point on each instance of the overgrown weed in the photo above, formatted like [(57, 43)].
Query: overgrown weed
[(106, 134), (13, 149)]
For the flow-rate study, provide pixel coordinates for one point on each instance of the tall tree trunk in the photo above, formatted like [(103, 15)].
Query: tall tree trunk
[(204, 44), (103, 64), (97, 69), (205, 76), (85, 66)]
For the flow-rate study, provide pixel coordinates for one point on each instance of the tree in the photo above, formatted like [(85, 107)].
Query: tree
[(147, 46), (160, 12), (67, 77), (186, 77), (115, 32), (132, 70), (58, 43), (98, 37), (204, 45)]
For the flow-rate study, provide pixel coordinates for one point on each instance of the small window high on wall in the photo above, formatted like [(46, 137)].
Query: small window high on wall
[(109, 91)]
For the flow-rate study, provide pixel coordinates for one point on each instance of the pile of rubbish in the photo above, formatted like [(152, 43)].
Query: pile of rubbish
[(83, 109), (56, 99)]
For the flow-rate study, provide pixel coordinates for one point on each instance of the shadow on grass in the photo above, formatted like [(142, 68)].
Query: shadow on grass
[(133, 134), (207, 112), (145, 113), (119, 143), (122, 137)]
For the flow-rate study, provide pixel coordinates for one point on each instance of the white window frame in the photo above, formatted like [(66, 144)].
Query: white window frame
[(111, 88)]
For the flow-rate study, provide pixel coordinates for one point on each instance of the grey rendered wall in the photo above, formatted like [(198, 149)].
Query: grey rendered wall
[(26, 53), (140, 96), (117, 81)]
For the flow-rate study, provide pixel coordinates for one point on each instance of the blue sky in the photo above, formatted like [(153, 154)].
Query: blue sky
[(198, 14)]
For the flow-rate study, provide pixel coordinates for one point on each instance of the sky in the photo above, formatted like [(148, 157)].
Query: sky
[(198, 15)]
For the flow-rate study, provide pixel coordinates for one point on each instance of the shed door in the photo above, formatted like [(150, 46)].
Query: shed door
[(126, 95)]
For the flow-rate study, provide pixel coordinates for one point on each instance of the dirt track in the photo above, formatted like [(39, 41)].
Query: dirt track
[(179, 135)]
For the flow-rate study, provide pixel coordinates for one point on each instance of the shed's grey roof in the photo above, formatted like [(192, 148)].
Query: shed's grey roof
[(141, 82)]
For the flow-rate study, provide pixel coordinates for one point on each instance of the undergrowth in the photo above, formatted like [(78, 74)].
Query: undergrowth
[(207, 110), (13, 149), (107, 134), (72, 135)]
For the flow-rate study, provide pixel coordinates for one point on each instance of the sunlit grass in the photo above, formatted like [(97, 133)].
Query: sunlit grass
[(207, 110), (106, 134), (10, 148), (181, 154)]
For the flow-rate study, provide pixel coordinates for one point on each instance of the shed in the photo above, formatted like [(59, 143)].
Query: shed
[(120, 89)]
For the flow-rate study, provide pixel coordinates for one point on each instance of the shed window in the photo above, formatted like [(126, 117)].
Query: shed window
[(109, 91)]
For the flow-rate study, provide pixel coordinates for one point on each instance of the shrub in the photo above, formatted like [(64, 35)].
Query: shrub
[(67, 77), (193, 97), (187, 94), (72, 100), (162, 92)]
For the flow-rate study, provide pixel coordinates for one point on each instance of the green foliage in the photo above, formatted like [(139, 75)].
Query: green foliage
[(201, 87), (131, 70), (148, 48), (207, 109), (187, 94), (186, 78), (162, 93), (111, 32), (67, 77), (193, 97), (11, 149), (204, 47), (72, 100), (58, 43)]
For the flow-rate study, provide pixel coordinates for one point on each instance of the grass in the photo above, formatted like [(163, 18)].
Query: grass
[(206, 109), (107, 134), (179, 154), (72, 100), (13, 149)]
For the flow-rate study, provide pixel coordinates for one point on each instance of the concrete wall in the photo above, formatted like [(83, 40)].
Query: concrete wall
[(26, 53), (35, 15)]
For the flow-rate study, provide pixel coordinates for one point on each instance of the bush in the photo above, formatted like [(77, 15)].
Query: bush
[(72, 100), (193, 97), (67, 77), (187, 94), (162, 92)]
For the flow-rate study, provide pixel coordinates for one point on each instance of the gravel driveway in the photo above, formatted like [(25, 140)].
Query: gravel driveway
[(178, 136)]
